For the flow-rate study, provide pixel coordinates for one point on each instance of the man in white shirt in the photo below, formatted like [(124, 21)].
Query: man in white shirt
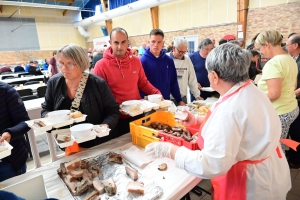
[(185, 70)]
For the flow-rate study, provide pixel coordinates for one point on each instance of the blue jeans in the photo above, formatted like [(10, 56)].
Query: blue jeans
[(7, 171)]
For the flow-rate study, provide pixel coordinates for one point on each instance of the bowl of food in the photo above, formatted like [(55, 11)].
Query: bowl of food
[(59, 116), (130, 103), (155, 98), (82, 130)]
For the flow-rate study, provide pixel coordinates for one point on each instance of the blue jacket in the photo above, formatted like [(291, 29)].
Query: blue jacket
[(200, 69), (12, 119), (161, 73)]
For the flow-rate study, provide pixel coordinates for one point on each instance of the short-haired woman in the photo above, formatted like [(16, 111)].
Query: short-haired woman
[(239, 137), (97, 101), (279, 78)]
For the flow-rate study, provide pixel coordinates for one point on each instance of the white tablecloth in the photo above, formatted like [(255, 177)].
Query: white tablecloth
[(28, 78), (174, 181), (33, 87)]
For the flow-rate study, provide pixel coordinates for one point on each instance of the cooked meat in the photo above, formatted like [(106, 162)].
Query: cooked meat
[(73, 164), (131, 173), (38, 123), (88, 176), (95, 170), (63, 138), (62, 169), (82, 187), (162, 167), (116, 158), (98, 186), (76, 114), (85, 164), (92, 195), (136, 187), (76, 173), (71, 185), (70, 178), (110, 186)]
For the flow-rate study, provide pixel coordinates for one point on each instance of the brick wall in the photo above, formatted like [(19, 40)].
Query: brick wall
[(284, 18), (206, 32), (24, 56)]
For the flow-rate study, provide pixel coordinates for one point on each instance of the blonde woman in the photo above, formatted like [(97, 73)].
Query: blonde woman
[(279, 78)]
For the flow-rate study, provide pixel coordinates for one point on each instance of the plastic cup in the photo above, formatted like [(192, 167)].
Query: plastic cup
[(41, 82), (21, 86)]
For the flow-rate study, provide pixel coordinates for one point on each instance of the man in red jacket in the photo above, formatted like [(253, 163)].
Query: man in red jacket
[(125, 76)]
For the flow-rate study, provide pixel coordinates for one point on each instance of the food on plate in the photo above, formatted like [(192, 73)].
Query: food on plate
[(38, 123), (110, 186), (3, 148), (131, 173), (202, 110), (116, 158), (92, 196), (177, 129), (162, 167), (78, 175), (135, 187), (134, 109), (63, 138), (76, 114), (98, 186)]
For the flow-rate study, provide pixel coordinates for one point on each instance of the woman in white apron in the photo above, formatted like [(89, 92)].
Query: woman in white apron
[(239, 137)]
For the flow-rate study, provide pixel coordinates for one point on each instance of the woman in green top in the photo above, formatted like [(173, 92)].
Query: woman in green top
[(279, 78)]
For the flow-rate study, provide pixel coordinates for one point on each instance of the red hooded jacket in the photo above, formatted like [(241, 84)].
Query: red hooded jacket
[(125, 76)]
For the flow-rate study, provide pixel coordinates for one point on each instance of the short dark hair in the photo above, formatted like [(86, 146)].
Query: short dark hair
[(54, 53), (35, 62), (296, 39), (204, 43), (222, 41), (291, 35), (118, 29), (254, 53), (157, 31)]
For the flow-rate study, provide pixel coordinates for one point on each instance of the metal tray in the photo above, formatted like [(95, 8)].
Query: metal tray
[(118, 173)]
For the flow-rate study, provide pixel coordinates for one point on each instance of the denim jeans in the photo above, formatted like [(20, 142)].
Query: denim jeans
[(7, 171)]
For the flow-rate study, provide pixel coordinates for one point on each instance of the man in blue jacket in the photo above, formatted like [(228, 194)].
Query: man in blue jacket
[(159, 67), (12, 129)]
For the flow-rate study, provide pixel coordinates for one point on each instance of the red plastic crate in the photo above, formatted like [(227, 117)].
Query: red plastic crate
[(178, 140)]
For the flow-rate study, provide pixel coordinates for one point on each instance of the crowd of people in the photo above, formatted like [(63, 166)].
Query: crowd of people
[(238, 138)]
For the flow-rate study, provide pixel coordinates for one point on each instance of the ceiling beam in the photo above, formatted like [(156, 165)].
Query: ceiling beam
[(1, 8), (38, 5), (154, 17), (108, 23), (65, 11), (62, 1), (242, 14)]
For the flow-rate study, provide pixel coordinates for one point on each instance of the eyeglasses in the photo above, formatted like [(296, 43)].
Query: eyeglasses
[(182, 52), (286, 45), (68, 65)]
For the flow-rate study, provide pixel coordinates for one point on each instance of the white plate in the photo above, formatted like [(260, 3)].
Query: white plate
[(64, 123), (84, 139), (130, 102), (180, 115), (207, 89), (63, 132), (101, 133), (48, 126), (7, 152), (79, 119), (165, 103)]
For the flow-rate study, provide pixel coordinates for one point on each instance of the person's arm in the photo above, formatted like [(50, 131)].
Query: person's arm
[(49, 70), (143, 83), (98, 70), (17, 113), (48, 105), (192, 80), (274, 88), (111, 107), (175, 91)]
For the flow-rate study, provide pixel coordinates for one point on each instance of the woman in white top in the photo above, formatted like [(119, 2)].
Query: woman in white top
[(239, 137)]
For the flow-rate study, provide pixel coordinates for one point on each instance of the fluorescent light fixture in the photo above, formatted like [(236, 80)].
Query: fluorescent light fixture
[(37, 5)]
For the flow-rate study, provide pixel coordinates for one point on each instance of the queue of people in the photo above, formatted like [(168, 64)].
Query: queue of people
[(239, 142)]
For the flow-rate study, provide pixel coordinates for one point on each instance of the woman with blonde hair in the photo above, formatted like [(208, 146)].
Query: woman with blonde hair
[(279, 78)]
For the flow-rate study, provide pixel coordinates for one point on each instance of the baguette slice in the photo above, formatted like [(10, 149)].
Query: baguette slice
[(136, 187), (131, 173)]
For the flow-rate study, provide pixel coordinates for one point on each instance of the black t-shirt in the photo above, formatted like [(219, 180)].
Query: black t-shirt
[(252, 70), (34, 70)]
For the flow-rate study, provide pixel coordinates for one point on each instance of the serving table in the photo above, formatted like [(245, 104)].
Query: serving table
[(174, 181)]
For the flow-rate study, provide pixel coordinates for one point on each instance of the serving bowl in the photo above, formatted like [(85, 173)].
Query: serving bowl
[(154, 98), (59, 116), (82, 130)]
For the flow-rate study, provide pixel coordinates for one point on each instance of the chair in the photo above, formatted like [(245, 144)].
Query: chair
[(8, 77), (31, 82), (6, 73), (25, 92), (41, 91), (29, 97), (24, 74), (17, 83)]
